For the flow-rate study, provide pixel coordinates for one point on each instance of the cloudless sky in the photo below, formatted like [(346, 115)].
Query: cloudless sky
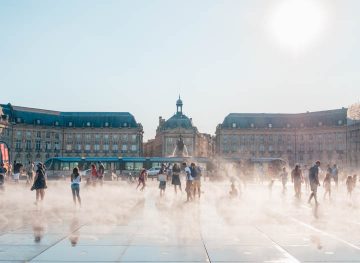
[(138, 56)]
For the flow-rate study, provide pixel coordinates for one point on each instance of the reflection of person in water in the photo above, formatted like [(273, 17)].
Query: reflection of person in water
[(39, 226), (74, 231)]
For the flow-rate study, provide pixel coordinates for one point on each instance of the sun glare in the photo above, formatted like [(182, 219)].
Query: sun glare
[(295, 24)]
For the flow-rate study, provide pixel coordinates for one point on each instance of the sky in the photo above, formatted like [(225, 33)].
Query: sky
[(275, 56)]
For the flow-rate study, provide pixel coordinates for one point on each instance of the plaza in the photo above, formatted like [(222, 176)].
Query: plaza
[(116, 223)]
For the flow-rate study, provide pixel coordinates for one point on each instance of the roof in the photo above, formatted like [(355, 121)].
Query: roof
[(178, 120), (337, 117), (69, 119)]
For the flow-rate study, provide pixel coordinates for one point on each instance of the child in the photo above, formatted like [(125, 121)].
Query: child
[(327, 185), (349, 185), (162, 180), (142, 178)]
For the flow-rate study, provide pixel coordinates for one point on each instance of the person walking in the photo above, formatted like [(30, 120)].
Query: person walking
[(327, 185), (75, 185), (175, 181), (142, 179), (101, 172), (314, 181), (297, 178), (349, 185), (30, 172), (39, 183)]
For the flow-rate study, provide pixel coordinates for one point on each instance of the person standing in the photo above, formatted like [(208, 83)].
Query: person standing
[(17, 170), (327, 184), (3, 172), (101, 172), (284, 178), (314, 181), (297, 178), (196, 175), (176, 177), (349, 185), (94, 174), (189, 183), (75, 185), (335, 175), (30, 172), (39, 183), (162, 180)]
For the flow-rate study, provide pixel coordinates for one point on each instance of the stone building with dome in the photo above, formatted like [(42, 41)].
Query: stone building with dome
[(178, 128)]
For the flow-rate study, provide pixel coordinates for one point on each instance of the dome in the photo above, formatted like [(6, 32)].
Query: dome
[(179, 102), (178, 121)]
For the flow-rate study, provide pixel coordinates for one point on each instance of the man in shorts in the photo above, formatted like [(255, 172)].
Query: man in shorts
[(314, 181), (189, 183), (196, 174)]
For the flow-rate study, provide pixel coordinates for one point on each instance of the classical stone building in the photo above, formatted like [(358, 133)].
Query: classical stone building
[(170, 131), (353, 150), (297, 138), (36, 134)]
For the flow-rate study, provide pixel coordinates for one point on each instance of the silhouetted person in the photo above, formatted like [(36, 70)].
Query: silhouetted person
[(314, 181)]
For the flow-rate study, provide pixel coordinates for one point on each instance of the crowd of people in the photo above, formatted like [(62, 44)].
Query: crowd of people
[(172, 173)]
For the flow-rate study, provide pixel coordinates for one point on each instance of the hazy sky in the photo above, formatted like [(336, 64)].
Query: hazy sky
[(221, 56)]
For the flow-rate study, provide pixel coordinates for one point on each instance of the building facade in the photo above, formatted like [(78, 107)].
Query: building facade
[(170, 131), (36, 134), (296, 138), (353, 150)]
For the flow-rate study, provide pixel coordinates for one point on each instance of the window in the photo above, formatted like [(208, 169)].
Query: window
[(28, 145), (78, 147), (18, 120), (56, 123), (78, 137), (106, 147), (252, 125), (47, 134), (97, 137), (38, 134), (106, 124), (271, 148), (133, 148), (37, 145), (70, 124), (124, 147), (125, 124), (88, 136), (234, 125), (56, 146), (68, 147), (28, 134), (47, 145), (115, 147), (288, 125), (115, 137), (340, 122), (96, 147), (38, 122), (106, 137), (69, 136), (18, 144), (88, 124), (87, 147), (133, 138), (57, 136), (125, 137), (261, 148), (18, 134), (270, 125)]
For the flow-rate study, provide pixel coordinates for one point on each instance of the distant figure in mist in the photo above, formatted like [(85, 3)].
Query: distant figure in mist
[(3, 172), (101, 172), (30, 170), (233, 191), (17, 171), (94, 174), (272, 179), (175, 181), (196, 175), (335, 174), (39, 183), (314, 181), (162, 180), (349, 185), (75, 185), (306, 177), (297, 178), (284, 178), (327, 184), (189, 183), (142, 178)]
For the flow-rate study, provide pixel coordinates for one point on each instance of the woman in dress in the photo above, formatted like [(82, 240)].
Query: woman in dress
[(39, 182), (176, 177)]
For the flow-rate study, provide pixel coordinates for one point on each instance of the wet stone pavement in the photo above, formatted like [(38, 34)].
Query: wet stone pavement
[(116, 223)]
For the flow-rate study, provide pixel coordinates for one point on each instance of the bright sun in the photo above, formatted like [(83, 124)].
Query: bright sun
[(296, 24)]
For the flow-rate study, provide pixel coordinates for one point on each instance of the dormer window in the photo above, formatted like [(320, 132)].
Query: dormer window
[(38, 122), (125, 124), (18, 120), (340, 122), (56, 123), (234, 125), (270, 125), (320, 123), (70, 124), (106, 124), (88, 124), (252, 125)]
